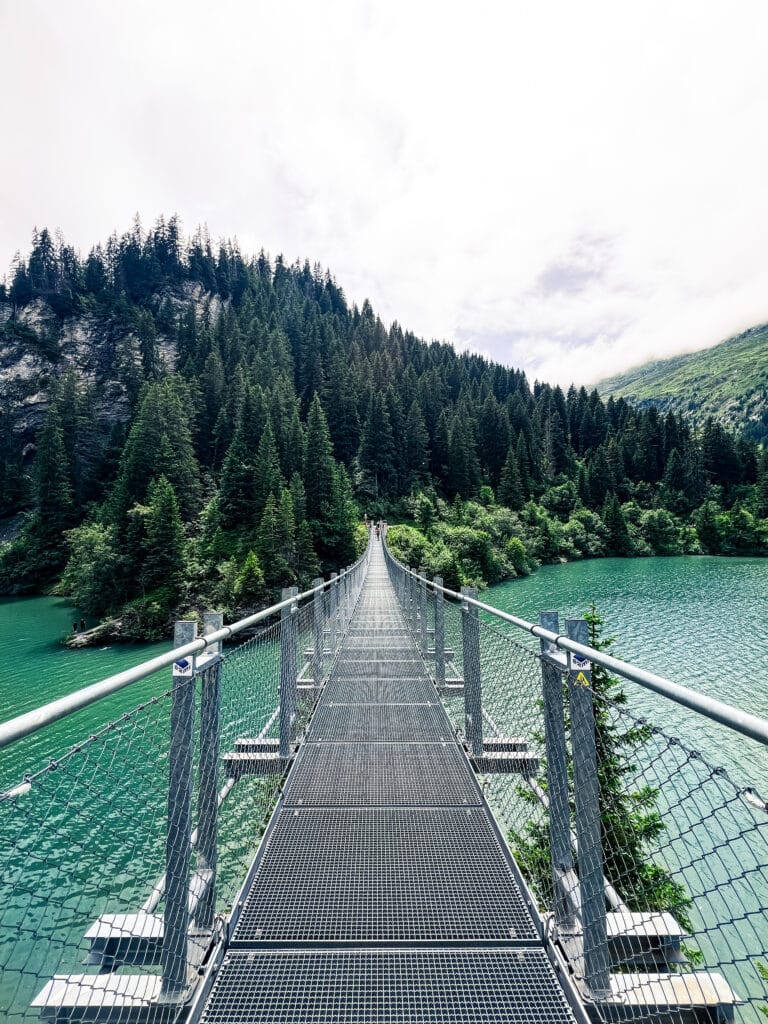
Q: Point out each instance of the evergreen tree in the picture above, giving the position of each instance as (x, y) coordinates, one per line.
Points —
(307, 564)
(416, 448)
(377, 458)
(510, 491)
(761, 495)
(440, 453)
(249, 584)
(266, 477)
(147, 334)
(318, 475)
(707, 528)
(617, 541)
(600, 478)
(523, 460)
(287, 530)
(269, 546)
(237, 504)
(340, 546)
(463, 465)
(53, 489)
(159, 444)
(164, 545)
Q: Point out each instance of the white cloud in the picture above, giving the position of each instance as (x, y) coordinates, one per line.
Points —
(571, 188)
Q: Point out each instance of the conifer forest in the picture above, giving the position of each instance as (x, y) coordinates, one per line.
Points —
(186, 426)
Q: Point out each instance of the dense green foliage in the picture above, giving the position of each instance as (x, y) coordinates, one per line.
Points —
(728, 382)
(259, 416)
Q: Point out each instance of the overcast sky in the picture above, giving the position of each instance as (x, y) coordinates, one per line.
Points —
(568, 187)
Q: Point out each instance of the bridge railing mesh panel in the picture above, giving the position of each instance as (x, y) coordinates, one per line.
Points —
(83, 836)
(683, 845)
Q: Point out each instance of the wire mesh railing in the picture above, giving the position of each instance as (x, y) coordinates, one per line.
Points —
(648, 862)
(123, 853)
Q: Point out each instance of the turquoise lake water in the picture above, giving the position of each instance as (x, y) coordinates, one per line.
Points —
(699, 621)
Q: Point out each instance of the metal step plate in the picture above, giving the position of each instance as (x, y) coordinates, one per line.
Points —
(381, 774)
(500, 986)
(381, 668)
(384, 723)
(383, 876)
(379, 691)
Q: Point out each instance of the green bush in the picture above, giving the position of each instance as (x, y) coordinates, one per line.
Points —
(149, 617)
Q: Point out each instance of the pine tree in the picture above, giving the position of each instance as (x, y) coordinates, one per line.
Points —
(523, 459)
(307, 564)
(464, 468)
(249, 584)
(440, 448)
(340, 549)
(377, 458)
(416, 448)
(494, 439)
(159, 444)
(164, 543)
(237, 504)
(761, 495)
(510, 491)
(707, 529)
(319, 476)
(617, 541)
(287, 531)
(600, 479)
(53, 489)
(266, 476)
(269, 540)
(147, 335)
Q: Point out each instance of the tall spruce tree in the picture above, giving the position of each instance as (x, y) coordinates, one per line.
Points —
(416, 448)
(266, 477)
(378, 456)
(510, 488)
(53, 489)
(164, 544)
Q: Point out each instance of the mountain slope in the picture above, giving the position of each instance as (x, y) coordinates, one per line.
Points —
(728, 382)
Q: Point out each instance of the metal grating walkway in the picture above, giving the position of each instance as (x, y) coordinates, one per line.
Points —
(382, 891)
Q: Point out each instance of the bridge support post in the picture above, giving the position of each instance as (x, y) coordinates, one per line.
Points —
(207, 801)
(288, 671)
(178, 843)
(473, 702)
(318, 626)
(333, 595)
(439, 633)
(587, 795)
(557, 773)
(423, 609)
(414, 603)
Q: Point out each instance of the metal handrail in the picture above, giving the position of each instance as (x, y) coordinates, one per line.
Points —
(32, 721)
(743, 722)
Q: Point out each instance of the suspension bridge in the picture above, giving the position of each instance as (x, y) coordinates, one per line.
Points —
(325, 822)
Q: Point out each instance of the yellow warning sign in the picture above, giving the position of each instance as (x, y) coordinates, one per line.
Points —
(581, 680)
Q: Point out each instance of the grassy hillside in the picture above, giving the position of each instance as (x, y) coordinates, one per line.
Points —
(729, 382)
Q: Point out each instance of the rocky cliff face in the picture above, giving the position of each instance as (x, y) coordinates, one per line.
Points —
(36, 348)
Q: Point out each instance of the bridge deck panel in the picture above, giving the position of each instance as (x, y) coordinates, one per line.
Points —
(387, 987)
(371, 690)
(386, 723)
(384, 875)
(381, 774)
